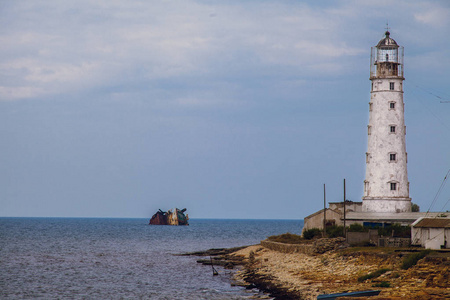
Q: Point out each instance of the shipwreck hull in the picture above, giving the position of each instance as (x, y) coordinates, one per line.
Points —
(175, 217)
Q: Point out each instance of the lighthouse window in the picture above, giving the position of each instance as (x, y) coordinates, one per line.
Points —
(393, 186)
(370, 106)
(391, 105)
(391, 86)
(369, 130)
(392, 157)
(392, 129)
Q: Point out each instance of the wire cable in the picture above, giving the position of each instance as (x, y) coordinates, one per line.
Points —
(438, 192)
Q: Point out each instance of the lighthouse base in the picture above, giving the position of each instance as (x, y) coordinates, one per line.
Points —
(392, 205)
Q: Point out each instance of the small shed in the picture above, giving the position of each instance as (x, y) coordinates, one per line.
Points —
(431, 233)
(315, 220)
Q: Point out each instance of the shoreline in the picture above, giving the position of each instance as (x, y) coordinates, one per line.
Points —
(305, 276)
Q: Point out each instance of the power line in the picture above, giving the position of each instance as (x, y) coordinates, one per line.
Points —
(431, 93)
(427, 106)
(438, 192)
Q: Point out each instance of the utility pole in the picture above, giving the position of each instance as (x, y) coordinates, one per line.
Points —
(324, 211)
(344, 212)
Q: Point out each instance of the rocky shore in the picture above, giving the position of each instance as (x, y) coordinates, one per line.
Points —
(297, 275)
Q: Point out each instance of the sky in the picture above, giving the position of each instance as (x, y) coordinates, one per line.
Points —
(231, 109)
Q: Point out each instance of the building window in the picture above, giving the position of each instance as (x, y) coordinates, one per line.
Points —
(391, 105)
(370, 106)
(391, 86)
(393, 186)
(392, 157)
(366, 187)
(369, 130)
(367, 157)
(392, 129)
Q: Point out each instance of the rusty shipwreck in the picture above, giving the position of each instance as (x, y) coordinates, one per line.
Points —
(171, 217)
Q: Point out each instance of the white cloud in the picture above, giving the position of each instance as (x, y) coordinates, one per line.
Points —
(20, 92)
(434, 16)
(62, 47)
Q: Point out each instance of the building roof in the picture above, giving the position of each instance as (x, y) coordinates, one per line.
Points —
(321, 212)
(432, 222)
(387, 42)
(346, 202)
(392, 217)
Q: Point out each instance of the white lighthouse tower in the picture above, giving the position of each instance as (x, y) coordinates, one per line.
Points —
(386, 187)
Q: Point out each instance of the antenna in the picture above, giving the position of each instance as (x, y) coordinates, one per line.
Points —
(387, 26)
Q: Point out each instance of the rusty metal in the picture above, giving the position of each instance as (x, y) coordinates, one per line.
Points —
(175, 217)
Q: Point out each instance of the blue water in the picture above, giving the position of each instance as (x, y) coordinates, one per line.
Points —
(77, 258)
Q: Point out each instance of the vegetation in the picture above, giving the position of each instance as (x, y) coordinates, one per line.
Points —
(335, 231)
(415, 207)
(312, 233)
(372, 275)
(331, 232)
(287, 238)
(357, 228)
(412, 259)
(395, 230)
(382, 284)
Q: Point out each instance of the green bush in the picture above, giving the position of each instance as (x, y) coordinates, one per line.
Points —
(311, 233)
(375, 274)
(357, 228)
(382, 284)
(397, 229)
(287, 238)
(412, 259)
(335, 231)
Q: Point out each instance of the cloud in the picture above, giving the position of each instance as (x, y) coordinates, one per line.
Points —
(75, 46)
(63, 47)
(436, 16)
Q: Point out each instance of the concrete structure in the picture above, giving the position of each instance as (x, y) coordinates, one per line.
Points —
(315, 220)
(350, 206)
(432, 233)
(381, 219)
(386, 186)
(369, 219)
(334, 215)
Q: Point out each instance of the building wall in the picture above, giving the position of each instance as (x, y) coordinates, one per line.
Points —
(349, 206)
(430, 238)
(316, 220)
(380, 170)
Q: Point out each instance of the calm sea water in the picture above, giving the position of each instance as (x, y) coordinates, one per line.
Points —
(121, 258)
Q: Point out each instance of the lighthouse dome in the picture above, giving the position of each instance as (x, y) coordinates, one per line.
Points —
(387, 42)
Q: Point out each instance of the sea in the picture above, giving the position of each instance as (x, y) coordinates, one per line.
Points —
(101, 258)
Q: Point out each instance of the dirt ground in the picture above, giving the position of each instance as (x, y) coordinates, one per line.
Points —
(303, 276)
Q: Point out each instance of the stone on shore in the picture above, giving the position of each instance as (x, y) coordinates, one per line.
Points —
(337, 270)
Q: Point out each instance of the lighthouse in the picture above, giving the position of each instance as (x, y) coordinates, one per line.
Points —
(386, 186)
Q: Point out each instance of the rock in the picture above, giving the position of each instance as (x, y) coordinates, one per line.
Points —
(326, 244)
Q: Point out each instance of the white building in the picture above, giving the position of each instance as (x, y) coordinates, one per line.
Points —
(431, 233)
(386, 186)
